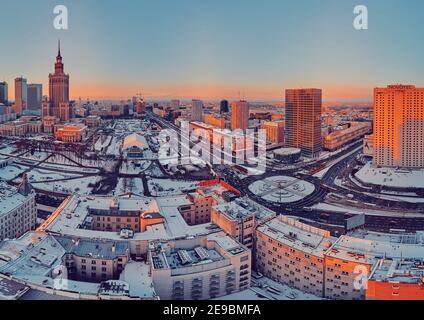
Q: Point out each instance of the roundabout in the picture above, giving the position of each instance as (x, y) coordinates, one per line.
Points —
(281, 189)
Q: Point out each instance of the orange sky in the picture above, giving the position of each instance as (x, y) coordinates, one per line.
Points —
(207, 92)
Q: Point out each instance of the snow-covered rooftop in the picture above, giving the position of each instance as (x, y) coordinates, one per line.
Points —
(69, 220)
(398, 270)
(10, 198)
(391, 177)
(298, 235)
(244, 207)
(369, 247)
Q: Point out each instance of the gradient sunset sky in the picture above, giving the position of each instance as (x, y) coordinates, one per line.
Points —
(215, 48)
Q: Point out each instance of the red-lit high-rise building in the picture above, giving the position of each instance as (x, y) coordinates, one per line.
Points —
(303, 120)
(240, 115)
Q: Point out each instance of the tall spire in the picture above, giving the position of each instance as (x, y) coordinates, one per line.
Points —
(58, 46)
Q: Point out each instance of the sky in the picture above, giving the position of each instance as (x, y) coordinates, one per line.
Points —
(212, 49)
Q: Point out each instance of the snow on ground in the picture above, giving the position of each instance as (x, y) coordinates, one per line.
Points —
(39, 175)
(397, 198)
(12, 171)
(282, 189)
(102, 142)
(73, 168)
(391, 177)
(71, 183)
(7, 149)
(322, 173)
(133, 185)
(154, 171)
(134, 166)
(114, 148)
(168, 187)
(38, 156)
(79, 186)
(354, 210)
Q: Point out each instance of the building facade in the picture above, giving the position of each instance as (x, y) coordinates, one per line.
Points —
(399, 126)
(240, 115)
(4, 92)
(71, 133)
(200, 269)
(18, 212)
(292, 253)
(21, 95)
(35, 96)
(274, 131)
(303, 120)
(196, 110)
(58, 87)
(340, 138)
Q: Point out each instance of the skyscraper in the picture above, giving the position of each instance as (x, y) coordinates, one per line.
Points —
(224, 106)
(35, 96)
(197, 110)
(4, 95)
(240, 115)
(58, 86)
(303, 120)
(175, 104)
(21, 95)
(141, 105)
(399, 126)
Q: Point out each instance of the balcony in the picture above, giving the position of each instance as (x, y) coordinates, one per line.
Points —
(230, 285)
(214, 282)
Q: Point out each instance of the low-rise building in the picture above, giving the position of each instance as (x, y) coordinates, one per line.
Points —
(116, 214)
(49, 123)
(94, 260)
(134, 146)
(274, 131)
(340, 138)
(93, 121)
(209, 193)
(199, 269)
(240, 218)
(214, 120)
(18, 212)
(71, 133)
(396, 279)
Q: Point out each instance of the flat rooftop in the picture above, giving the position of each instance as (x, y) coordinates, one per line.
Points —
(298, 235)
(37, 260)
(371, 247)
(244, 207)
(10, 198)
(174, 260)
(399, 271)
(70, 219)
(11, 290)
(94, 248)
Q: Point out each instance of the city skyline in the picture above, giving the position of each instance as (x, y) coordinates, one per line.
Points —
(222, 50)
